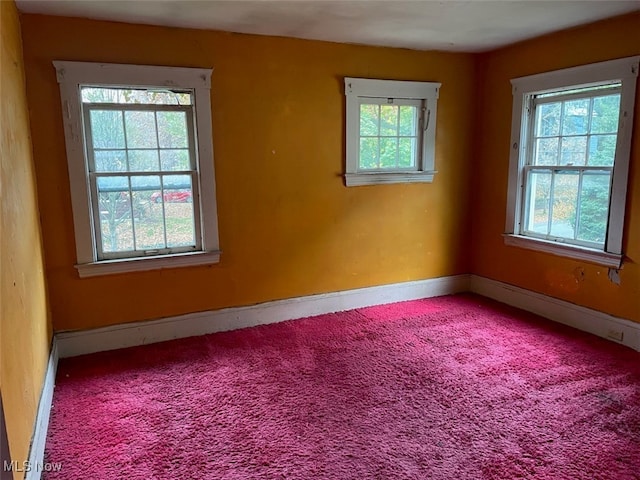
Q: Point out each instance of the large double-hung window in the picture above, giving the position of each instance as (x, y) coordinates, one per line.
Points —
(570, 157)
(570, 165)
(140, 166)
(142, 171)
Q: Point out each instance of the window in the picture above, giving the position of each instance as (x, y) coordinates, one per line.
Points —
(140, 161)
(390, 131)
(571, 137)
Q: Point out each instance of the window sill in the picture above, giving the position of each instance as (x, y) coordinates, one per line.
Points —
(143, 264)
(598, 257)
(373, 178)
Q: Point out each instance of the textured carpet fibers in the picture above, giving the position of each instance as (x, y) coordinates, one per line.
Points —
(445, 388)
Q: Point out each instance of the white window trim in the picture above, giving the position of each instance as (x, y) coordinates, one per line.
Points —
(623, 70)
(358, 88)
(71, 75)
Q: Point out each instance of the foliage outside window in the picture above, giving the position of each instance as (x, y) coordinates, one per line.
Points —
(141, 177)
(388, 135)
(390, 131)
(570, 160)
(568, 173)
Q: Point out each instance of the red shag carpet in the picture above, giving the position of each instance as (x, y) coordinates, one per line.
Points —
(445, 388)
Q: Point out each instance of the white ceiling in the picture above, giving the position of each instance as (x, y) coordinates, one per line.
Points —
(455, 25)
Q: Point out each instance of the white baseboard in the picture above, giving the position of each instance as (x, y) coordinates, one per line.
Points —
(39, 439)
(75, 343)
(582, 318)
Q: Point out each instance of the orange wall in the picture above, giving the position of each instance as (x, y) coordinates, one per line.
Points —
(575, 281)
(288, 225)
(24, 322)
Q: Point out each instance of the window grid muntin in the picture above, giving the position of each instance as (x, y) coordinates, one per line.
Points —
(534, 101)
(187, 109)
(528, 211)
(420, 107)
(93, 178)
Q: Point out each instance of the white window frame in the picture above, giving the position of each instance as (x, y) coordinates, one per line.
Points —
(624, 71)
(71, 77)
(358, 91)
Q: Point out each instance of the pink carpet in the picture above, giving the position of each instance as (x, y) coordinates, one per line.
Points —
(446, 388)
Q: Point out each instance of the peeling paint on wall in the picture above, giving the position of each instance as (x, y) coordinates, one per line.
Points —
(614, 276)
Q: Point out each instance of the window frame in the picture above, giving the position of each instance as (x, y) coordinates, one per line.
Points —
(71, 77)
(357, 91)
(624, 71)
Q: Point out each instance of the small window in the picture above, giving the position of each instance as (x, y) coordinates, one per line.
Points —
(570, 160)
(390, 131)
(141, 176)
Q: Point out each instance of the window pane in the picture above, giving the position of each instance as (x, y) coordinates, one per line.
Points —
(539, 187)
(176, 182)
(388, 152)
(573, 151)
(546, 151)
(149, 224)
(576, 115)
(141, 129)
(369, 120)
(113, 184)
(101, 95)
(602, 150)
(133, 96)
(114, 205)
(388, 120)
(172, 129)
(407, 152)
(408, 121)
(606, 111)
(585, 90)
(106, 129)
(565, 200)
(147, 216)
(175, 160)
(178, 206)
(145, 184)
(369, 153)
(110, 160)
(143, 160)
(548, 122)
(594, 207)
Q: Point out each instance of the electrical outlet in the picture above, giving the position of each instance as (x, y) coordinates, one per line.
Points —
(616, 335)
